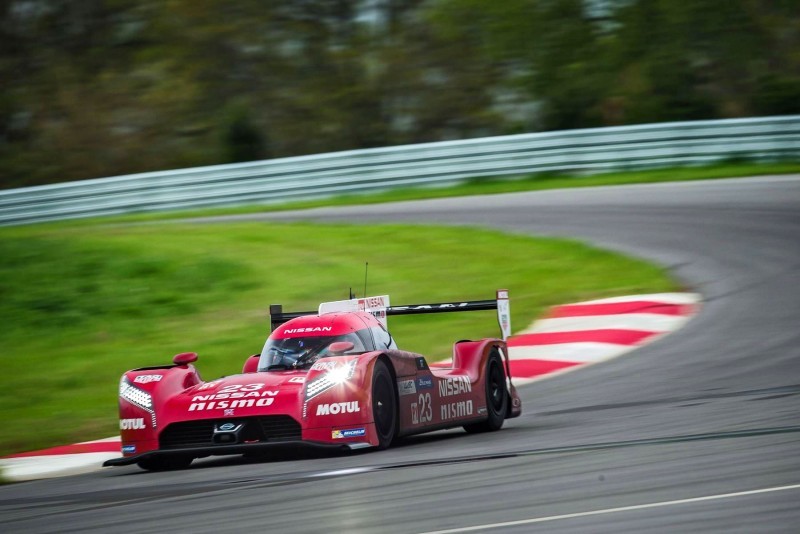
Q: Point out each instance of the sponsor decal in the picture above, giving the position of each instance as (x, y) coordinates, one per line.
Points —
(370, 303)
(307, 330)
(128, 449)
(453, 410)
(146, 379)
(454, 385)
(222, 404)
(406, 387)
(246, 396)
(351, 433)
(482, 411)
(235, 395)
(505, 323)
(210, 385)
(444, 306)
(237, 391)
(422, 365)
(131, 424)
(323, 365)
(424, 382)
(335, 408)
(297, 380)
(228, 412)
(503, 313)
(374, 305)
(224, 433)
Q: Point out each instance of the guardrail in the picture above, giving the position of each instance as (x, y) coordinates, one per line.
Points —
(430, 164)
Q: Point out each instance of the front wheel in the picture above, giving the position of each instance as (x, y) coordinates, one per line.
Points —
(384, 405)
(496, 396)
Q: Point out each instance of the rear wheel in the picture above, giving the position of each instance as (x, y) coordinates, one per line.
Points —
(496, 396)
(384, 405)
(165, 463)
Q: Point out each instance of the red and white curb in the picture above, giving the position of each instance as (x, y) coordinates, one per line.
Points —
(574, 335)
(60, 461)
(569, 337)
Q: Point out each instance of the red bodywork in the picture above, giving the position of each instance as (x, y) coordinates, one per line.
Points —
(170, 410)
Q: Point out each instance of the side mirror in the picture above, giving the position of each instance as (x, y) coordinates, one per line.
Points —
(340, 347)
(184, 358)
(251, 364)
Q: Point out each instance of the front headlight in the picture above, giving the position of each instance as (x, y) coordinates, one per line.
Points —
(134, 395)
(334, 377)
(137, 397)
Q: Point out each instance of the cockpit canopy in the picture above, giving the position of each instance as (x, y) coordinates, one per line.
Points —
(300, 342)
(302, 352)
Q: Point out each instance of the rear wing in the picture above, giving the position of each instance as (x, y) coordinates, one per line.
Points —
(501, 304)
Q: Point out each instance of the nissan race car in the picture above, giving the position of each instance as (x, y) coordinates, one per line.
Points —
(334, 378)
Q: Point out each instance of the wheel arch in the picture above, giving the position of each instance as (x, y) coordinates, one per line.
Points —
(391, 436)
(393, 373)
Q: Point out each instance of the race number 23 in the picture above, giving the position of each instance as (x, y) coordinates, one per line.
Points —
(421, 411)
(233, 388)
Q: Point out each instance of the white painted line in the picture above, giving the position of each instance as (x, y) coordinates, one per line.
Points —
(614, 510)
(54, 465)
(579, 352)
(646, 322)
(666, 298)
(342, 472)
(104, 440)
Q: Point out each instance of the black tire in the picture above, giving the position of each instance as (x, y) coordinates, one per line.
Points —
(496, 397)
(384, 405)
(165, 463)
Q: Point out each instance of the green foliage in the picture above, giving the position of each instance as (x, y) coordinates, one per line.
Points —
(243, 141)
(778, 95)
(81, 304)
(104, 87)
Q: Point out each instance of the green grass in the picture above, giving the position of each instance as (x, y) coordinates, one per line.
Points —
(80, 304)
(491, 185)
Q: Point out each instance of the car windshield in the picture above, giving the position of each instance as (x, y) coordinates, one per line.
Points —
(301, 352)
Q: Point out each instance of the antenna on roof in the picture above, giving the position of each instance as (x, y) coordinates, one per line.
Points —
(366, 269)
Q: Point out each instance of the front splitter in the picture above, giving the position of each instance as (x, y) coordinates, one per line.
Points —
(224, 450)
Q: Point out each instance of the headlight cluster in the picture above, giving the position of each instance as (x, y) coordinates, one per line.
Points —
(335, 376)
(138, 397)
(135, 395)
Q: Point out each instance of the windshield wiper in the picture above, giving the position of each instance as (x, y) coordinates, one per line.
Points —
(278, 367)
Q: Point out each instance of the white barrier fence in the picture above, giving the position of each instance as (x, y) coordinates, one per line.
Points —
(430, 164)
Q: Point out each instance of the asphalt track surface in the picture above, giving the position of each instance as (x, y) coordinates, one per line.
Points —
(697, 432)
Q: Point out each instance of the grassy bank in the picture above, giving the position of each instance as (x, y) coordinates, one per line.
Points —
(80, 304)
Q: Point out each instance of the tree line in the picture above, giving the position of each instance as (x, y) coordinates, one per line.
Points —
(107, 87)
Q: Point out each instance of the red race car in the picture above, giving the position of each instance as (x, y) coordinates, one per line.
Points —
(333, 378)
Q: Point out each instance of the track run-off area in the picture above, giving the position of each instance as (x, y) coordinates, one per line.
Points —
(697, 431)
